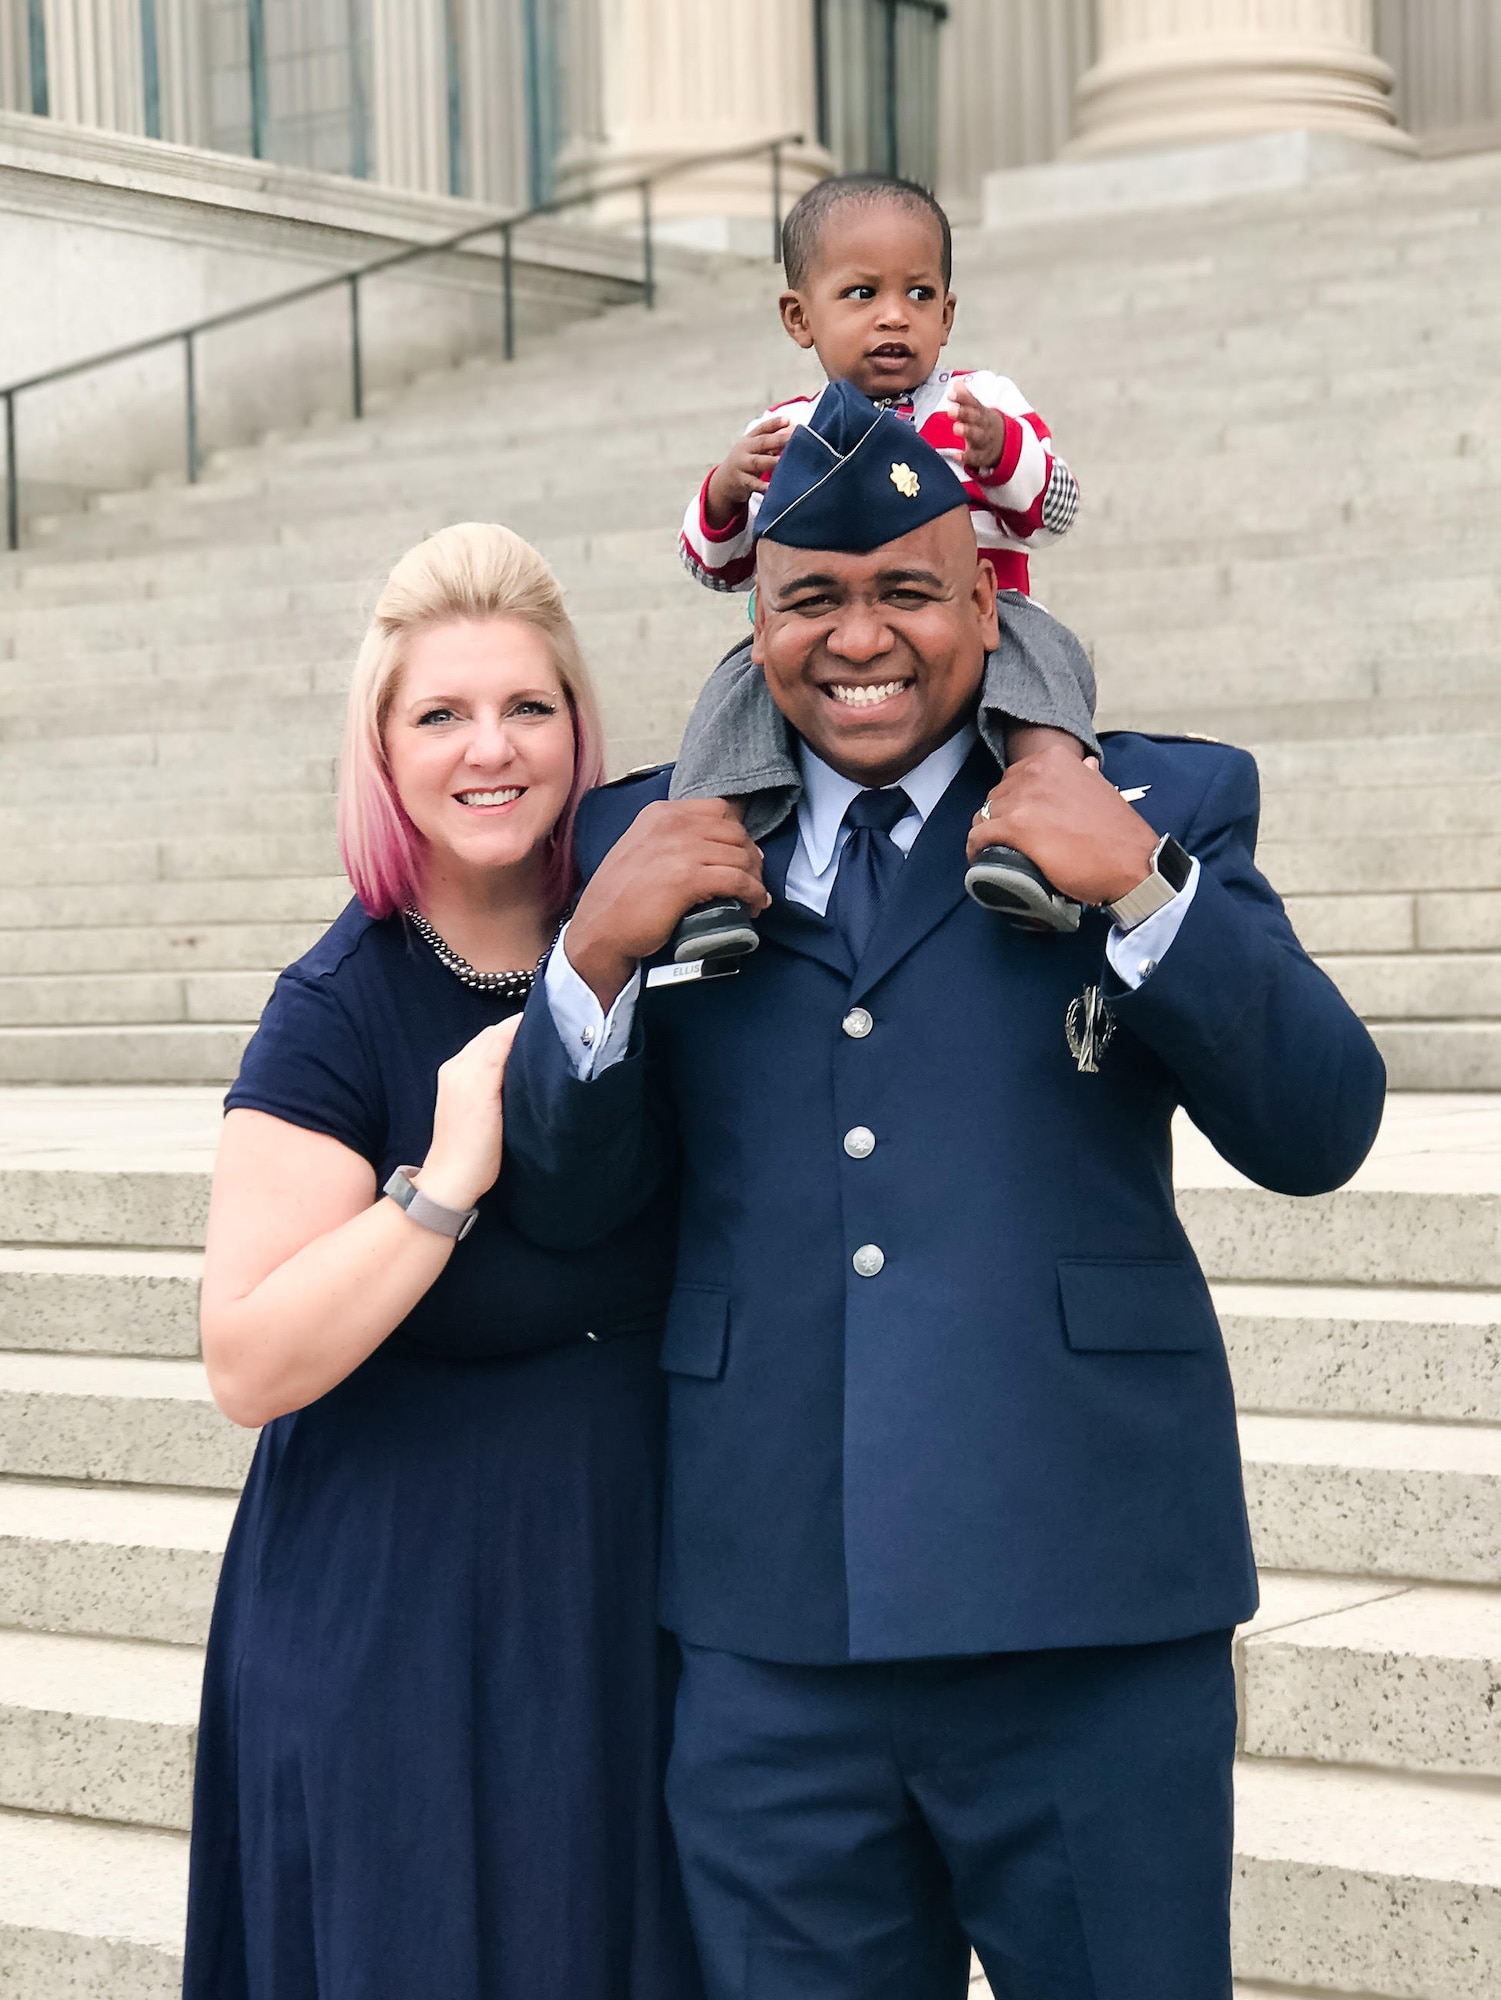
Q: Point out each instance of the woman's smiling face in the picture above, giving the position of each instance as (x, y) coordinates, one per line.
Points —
(480, 741)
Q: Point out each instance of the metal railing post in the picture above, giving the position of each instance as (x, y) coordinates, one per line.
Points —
(356, 353)
(776, 202)
(190, 391)
(12, 489)
(508, 285)
(648, 264)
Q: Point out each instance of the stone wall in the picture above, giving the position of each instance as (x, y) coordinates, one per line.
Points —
(115, 239)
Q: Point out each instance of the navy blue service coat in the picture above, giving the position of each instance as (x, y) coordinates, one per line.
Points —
(1020, 1432)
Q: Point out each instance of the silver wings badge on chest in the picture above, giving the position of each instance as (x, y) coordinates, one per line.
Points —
(1088, 1026)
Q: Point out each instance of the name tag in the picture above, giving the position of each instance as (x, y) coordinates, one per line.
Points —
(693, 968)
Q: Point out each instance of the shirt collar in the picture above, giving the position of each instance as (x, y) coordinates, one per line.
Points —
(826, 794)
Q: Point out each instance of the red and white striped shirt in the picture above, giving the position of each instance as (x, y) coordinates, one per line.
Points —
(1026, 500)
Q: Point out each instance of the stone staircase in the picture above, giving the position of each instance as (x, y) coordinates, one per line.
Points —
(1282, 415)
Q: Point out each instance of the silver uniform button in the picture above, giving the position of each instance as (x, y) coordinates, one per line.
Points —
(859, 1142)
(857, 1024)
(591, 1336)
(870, 1260)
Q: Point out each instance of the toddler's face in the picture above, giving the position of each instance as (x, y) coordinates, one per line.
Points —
(875, 306)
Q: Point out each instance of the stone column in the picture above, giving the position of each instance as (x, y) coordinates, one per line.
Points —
(1178, 72)
(15, 57)
(94, 74)
(667, 79)
(182, 71)
(409, 95)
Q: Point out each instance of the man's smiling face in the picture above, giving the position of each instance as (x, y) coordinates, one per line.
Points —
(876, 659)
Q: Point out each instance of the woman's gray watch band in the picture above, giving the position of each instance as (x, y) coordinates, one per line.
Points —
(454, 1222)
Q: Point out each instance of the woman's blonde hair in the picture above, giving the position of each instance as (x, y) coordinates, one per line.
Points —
(472, 570)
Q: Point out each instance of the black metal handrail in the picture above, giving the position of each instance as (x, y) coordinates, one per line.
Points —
(640, 185)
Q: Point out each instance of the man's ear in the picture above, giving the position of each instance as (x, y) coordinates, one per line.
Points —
(985, 605)
(758, 624)
(795, 318)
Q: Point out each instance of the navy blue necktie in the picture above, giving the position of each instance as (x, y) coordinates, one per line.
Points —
(869, 864)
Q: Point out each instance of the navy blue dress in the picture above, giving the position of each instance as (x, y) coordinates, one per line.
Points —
(436, 1706)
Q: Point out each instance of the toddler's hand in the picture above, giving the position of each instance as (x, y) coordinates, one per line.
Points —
(746, 469)
(982, 429)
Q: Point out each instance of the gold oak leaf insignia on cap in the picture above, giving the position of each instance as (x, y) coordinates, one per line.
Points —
(906, 481)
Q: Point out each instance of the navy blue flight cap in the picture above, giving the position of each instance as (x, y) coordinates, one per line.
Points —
(854, 478)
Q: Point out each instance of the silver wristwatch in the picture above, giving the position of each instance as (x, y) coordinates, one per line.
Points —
(454, 1222)
(1171, 868)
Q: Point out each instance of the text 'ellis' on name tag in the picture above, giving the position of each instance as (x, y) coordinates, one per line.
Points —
(693, 968)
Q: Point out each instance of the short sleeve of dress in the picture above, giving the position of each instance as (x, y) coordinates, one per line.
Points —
(308, 1063)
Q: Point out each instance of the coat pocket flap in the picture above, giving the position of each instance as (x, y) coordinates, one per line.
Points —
(698, 1324)
(1136, 1306)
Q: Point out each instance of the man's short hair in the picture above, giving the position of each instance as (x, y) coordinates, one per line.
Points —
(804, 225)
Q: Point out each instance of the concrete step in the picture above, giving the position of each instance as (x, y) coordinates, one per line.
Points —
(241, 703)
(113, 1168)
(133, 755)
(154, 948)
(127, 688)
(116, 998)
(119, 1302)
(158, 813)
(1440, 1055)
(1228, 719)
(1380, 761)
(131, 769)
(1364, 1351)
(1289, 511)
(1423, 1211)
(123, 1420)
(1402, 1681)
(89, 1910)
(45, 865)
(1410, 986)
(1361, 1235)
(1402, 920)
(198, 1053)
(1357, 1498)
(1366, 1882)
(98, 1729)
(1457, 807)
(210, 900)
(127, 1563)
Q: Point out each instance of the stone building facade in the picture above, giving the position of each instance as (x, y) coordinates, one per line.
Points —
(164, 160)
(505, 101)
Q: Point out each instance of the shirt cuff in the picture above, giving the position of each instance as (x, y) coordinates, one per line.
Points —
(593, 1040)
(737, 524)
(1135, 954)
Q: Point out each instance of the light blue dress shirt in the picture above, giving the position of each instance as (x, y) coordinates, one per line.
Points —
(595, 1040)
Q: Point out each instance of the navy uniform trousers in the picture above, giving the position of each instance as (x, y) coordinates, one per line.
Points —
(843, 1830)
(954, 1535)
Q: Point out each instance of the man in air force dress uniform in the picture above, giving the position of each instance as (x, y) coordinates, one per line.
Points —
(956, 1537)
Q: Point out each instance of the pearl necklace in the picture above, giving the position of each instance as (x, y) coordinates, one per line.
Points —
(508, 985)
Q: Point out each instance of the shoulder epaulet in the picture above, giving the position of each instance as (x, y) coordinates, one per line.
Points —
(634, 777)
(1166, 736)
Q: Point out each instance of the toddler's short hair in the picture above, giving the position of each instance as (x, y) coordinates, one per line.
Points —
(805, 220)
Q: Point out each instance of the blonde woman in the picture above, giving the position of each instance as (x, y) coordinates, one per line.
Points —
(434, 1711)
